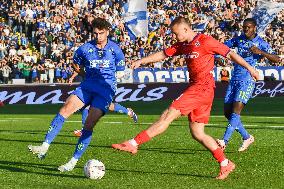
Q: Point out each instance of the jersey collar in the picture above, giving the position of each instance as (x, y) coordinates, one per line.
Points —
(105, 47)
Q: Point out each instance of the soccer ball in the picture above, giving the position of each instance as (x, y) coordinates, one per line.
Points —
(94, 169)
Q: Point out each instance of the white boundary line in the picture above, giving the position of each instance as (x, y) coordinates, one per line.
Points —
(143, 123)
(121, 117)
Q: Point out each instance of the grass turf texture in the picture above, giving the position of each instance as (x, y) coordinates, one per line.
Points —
(171, 160)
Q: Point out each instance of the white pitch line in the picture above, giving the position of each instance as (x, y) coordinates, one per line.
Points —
(139, 123)
(212, 124)
(255, 117)
(215, 116)
(120, 117)
(23, 118)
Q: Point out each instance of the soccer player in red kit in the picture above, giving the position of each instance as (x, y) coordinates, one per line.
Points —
(196, 101)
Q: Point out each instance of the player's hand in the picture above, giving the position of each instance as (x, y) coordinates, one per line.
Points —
(135, 64)
(70, 81)
(255, 50)
(255, 75)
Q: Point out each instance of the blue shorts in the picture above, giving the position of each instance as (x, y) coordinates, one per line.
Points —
(93, 99)
(239, 91)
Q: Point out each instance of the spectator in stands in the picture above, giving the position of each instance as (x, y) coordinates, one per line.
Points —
(6, 71)
(224, 75)
(27, 71)
(34, 73)
(59, 27)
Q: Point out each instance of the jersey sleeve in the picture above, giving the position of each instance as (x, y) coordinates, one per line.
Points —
(266, 47)
(173, 50)
(78, 57)
(231, 42)
(119, 60)
(215, 47)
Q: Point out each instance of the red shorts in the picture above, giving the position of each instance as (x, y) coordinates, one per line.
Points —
(195, 102)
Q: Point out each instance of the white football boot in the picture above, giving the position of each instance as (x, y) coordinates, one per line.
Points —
(39, 150)
(69, 166)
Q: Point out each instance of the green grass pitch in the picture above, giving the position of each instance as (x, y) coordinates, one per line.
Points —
(171, 160)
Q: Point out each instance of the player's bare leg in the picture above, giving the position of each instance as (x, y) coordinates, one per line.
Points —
(155, 129)
(197, 132)
(72, 104)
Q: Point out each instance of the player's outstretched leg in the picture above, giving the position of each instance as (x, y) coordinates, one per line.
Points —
(81, 147)
(155, 129)
(132, 145)
(54, 129)
(232, 125)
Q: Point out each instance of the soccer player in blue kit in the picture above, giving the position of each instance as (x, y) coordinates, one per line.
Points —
(102, 61)
(252, 48)
(114, 107)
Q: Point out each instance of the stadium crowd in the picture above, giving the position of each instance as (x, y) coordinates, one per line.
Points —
(38, 37)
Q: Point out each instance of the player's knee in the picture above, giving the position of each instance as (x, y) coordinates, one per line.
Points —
(66, 111)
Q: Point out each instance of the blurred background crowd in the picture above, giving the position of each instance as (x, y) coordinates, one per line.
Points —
(38, 37)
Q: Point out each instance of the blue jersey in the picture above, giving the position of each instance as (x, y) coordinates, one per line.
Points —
(243, 45)
(100, 66)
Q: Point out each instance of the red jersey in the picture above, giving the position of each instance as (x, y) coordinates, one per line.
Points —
(199, 56)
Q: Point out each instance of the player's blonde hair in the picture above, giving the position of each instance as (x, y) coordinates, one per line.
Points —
(180, 20)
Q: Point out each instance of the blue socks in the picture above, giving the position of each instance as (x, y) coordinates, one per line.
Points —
(54, 128)
(120, 109)
(83, 143)
(84, 116)
(242, 131)
(235, 124)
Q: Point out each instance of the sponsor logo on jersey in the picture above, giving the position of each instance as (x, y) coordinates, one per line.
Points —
(191, 55)
(99, 63)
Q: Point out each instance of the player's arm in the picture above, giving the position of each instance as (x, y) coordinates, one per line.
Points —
(239, 60)
(219, 48)
(78, 62)
(78, 69)
(271, 57)
(156, 57)
(72, 77)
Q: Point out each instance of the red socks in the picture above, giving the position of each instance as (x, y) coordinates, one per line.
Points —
(142, 137)
(219, 155)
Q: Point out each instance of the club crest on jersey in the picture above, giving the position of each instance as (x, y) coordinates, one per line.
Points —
(191, 55)
(197, 44)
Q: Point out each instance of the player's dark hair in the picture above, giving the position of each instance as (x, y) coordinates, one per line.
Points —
(101, 24)
(252, 20)
(180, 20)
